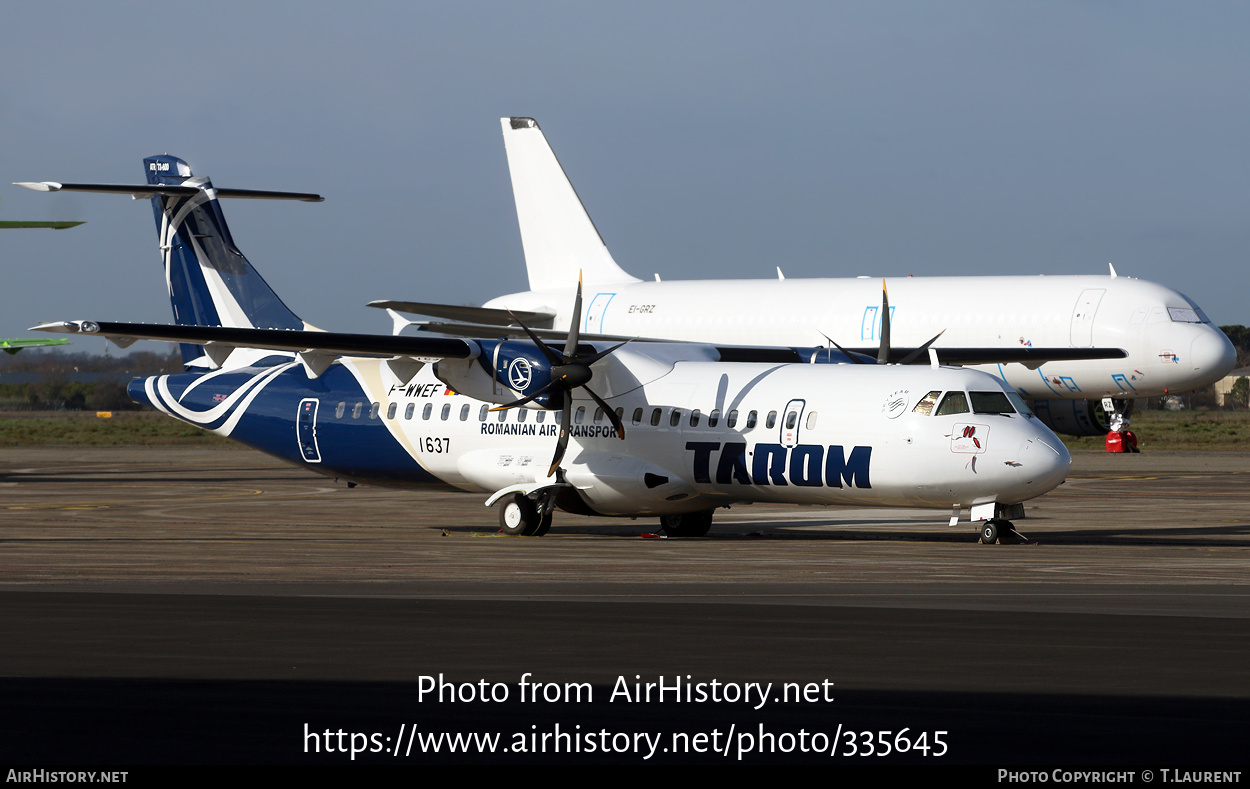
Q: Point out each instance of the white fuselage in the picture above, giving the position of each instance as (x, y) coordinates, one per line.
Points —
(855, 436)
(1172, 347)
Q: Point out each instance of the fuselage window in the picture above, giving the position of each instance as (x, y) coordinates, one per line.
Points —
(731, 421)
(771, 421)
(540, 417)
(811, 420)
(751, 419)
(990, 403)
(373, 410)
(924, 406)
(339, 410)
(503, 415)
(556, 416)
(579, 415)
(391, 409)
(482, 412)
(713, 418)
(520, 414)
(620, 415)
(446, 412)
(792, 419)
(598, 415)
(464, 413)
(425, 412)
(953, 403)
(637, 416)
(356, 409)
(410, 410)
(694, 418)
(655, 417)
(675, 419)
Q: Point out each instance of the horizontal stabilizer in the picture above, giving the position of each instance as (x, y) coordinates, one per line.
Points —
(142, 191)
(483, 316)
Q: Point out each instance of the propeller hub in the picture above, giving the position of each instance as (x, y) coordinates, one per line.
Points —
(571, 374)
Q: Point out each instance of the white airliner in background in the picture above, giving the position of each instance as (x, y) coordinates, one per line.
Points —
(1172, 346)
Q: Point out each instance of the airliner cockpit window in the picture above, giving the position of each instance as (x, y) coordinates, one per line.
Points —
(991, 403)
(953, 403)
(925, 406)
(1184, 315)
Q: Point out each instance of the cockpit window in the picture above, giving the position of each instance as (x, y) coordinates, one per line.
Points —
(953, 403)
(1019, 403)
(991, 403)
(1184, 315)
(925, 406)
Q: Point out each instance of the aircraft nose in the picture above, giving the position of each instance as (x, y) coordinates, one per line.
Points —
(1212, 355)
(1046, 462)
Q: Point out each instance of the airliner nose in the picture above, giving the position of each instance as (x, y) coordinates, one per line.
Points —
(1046, 462)
(1212, 355)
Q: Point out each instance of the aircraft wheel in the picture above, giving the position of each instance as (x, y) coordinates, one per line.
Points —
(518, 516)
(687, 524)
(989, 532)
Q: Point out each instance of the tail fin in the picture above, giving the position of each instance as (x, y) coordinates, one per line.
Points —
(210, 282)
(558, 236)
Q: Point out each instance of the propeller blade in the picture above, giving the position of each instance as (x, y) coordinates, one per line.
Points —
(854, 359)
(883, 352)
(589, 360)
(909, 358)
(570, 345)
(562, 443)
(550, 354)
(551, 386)
(607, 409)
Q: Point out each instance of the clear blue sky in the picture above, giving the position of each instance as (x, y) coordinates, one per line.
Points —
(707, 140)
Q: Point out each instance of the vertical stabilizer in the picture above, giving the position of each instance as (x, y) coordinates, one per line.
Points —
(210, 282)
(557, 234)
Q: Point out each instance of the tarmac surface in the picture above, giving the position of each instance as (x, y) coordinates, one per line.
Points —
(216, 606)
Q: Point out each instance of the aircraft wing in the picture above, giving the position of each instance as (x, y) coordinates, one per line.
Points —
(480, 316)
(13, 346)
(328, 343)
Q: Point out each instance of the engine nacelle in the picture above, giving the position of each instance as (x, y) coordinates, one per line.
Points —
(503, 369)
(1073, 417)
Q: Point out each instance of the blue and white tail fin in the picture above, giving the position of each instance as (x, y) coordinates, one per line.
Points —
(558, 236)
(210, 282)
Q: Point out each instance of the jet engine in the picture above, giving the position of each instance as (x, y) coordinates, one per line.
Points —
(1073, 417)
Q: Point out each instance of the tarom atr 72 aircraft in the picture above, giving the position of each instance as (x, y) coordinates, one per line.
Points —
(672, 430)
(1172, 346)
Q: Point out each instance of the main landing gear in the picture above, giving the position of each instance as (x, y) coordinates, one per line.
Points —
(687, 524)
(521, 516)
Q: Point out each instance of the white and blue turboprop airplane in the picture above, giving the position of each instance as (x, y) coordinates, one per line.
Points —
(1172, 346)
(673, 430)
